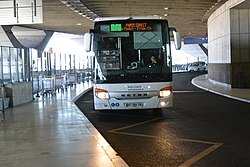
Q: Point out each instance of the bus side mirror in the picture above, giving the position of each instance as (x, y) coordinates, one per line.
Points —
(177, 40)
(87, 42)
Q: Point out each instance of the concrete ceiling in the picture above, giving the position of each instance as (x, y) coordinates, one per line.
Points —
(188, 16)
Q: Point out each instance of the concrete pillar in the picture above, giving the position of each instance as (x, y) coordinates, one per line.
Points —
(240, 40)
(228, 45)
(27, 73)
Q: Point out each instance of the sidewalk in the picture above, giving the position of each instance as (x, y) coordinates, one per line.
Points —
(203, 82)
(52, 132)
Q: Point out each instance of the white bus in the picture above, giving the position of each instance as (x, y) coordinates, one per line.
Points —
(132, 63)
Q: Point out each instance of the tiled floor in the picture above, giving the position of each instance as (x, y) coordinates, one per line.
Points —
(52, 132)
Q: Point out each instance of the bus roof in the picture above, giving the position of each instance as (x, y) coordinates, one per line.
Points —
(128, 18)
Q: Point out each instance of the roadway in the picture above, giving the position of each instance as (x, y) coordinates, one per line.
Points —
(202, 129)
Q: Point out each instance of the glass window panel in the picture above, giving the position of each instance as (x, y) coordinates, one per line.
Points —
(20, 61)
(13, 58)
(6, 64)
(1, 67)
(34, 62)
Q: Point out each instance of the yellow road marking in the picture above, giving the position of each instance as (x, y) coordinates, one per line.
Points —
(133, 125)
(201, 155)
(198, 141)
(187, 163)
(134, 134)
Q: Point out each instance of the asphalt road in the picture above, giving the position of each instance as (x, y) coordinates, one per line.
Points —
(202, 130)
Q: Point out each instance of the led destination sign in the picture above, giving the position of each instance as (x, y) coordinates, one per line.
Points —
(131, 27)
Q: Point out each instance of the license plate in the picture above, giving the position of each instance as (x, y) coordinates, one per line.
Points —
(134, 104)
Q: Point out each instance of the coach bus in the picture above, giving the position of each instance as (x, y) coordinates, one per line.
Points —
(132, 62)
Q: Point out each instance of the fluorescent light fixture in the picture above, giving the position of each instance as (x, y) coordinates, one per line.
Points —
(78, 7)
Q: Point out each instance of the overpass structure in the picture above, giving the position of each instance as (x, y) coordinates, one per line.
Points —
(226, 23)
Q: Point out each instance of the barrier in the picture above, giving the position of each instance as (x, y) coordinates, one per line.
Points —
(59, 82)
(48, 85)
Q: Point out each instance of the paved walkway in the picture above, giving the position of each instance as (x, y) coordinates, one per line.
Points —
(203, 82)
(52, 132)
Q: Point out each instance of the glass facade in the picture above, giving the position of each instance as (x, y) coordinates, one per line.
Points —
(30, 65)
(11, 65)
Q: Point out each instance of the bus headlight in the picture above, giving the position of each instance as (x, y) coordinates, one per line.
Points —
(165, 92)
(101, 94)
(163, 103)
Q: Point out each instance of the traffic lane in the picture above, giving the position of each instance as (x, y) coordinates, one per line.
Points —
(180, 134)
(140, 137)
(226, 115)
(215, 118)
(182, 81)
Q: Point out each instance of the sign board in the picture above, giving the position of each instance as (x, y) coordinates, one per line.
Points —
(131, 26)
(20, 12)
(197, 40)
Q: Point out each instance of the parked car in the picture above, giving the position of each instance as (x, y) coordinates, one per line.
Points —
(206, 66)
(196, 66)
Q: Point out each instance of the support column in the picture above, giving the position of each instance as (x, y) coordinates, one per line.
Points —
(229, 39)
(27, 73)
(240, 40)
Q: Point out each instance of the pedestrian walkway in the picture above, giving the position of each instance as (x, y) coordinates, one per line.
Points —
(52, 132)
(203, 82)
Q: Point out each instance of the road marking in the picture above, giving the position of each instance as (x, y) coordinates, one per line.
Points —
(133, 134)
(187, 163)
(201, 154)
(133, 125)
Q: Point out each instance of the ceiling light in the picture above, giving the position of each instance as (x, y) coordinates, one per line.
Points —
(76, 10)
(78, 7)
(166, 8)
(64, 1)
(68, 4)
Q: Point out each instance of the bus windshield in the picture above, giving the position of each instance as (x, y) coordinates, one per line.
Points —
(132, 51)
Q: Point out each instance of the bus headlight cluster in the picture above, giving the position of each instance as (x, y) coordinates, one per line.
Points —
(165, 92)
(101, 94)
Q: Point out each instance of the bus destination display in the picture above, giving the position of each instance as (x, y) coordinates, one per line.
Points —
(130, 27)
